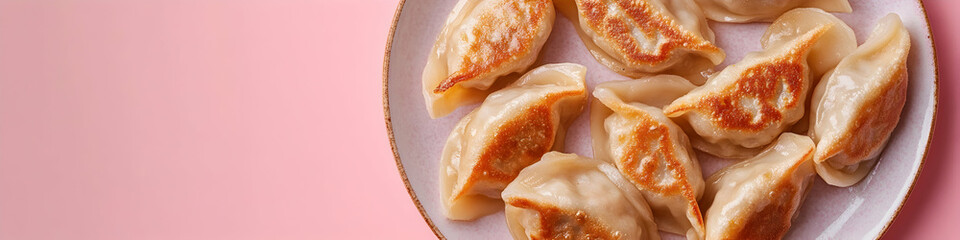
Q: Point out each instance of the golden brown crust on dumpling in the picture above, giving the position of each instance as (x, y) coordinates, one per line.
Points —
(650, 151)
(647, 131)
(559, 223)
(618, 29)
(774, 85)
(512, 129)
(771, 222)
(857, 106)
(499, 39)
(880, 115)
(774, 219)
(756, 82)
(565, 196)
(481, 44)
(517, 144)
(758, 198)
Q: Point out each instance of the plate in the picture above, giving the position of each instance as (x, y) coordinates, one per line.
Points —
(864, 210)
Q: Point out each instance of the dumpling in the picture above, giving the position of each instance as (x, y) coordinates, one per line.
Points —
(565, 196)
(748, 104)
(857, 106)
(763, 10)
(757, 198)
(834, 44)
(512, 129)
(640, 38)
(649, 149)
(481, 41)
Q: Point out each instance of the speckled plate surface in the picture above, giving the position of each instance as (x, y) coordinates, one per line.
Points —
(863, 211)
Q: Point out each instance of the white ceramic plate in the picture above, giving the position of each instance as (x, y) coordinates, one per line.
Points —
(863, 211)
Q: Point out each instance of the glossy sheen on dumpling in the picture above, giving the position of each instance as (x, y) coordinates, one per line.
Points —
(763, 10)
(649, 149)
(748, 104)
(757, 198)
(857, 106)
(512, 129)
(639, 38)
(481, 41)
(565, 196)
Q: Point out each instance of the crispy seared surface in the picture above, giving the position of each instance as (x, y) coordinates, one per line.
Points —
(556, 223)
(516, 144)
(770, 222)
(660, 171)
(619, 22)
(761, 94)
(874, 121)
(502, 34)
(773, 220)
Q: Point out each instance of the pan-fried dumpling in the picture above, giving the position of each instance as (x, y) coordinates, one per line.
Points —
(640, 38)
(757, 198)
(748, 104)
(857, 106)
(763, 10)
(481, 41)
(649, 149)
(512, 129)
(565, 196)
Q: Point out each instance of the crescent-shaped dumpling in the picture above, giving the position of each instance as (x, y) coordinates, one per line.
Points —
(763, 10)
(565, 196)
(643, 37)
(856, 107)
(649, 149)
(481, 41)
(512, 129)
(758, 198)
(748, 104)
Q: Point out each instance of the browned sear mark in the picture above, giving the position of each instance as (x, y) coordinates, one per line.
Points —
(775, 85)
(644, 133)
(488, 51)
(559, 223)
(878, 116)
(516, 144)
(648, 21)
(645, 174)
(771, 222)
(763, 83)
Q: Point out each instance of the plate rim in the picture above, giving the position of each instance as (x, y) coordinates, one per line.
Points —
(386, 118)
(436, 231)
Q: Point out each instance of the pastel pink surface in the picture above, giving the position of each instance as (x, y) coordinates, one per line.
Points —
(252, 120)
(217, 119)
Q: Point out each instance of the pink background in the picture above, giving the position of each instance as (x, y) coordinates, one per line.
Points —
(241, 119)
